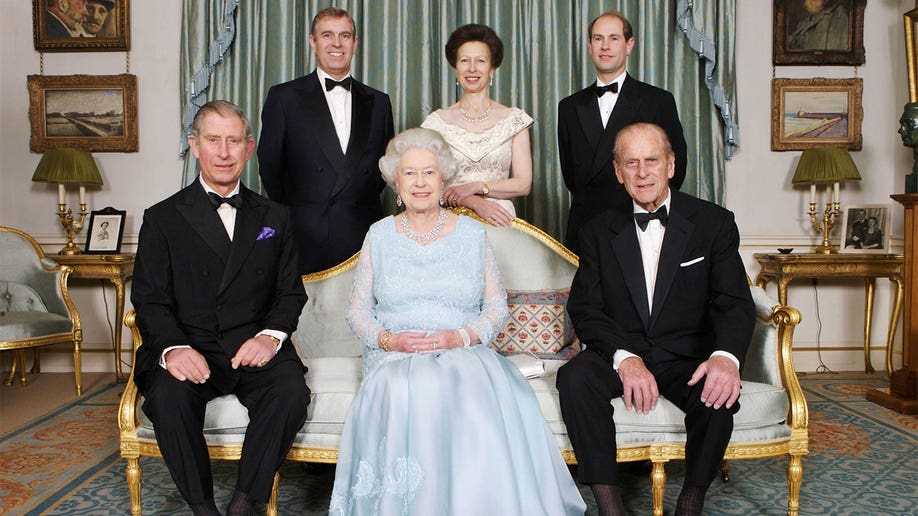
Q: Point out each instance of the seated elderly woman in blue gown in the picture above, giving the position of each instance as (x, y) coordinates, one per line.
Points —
(441, 424)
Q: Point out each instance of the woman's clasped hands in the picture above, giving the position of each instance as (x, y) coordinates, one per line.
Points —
(420, 342)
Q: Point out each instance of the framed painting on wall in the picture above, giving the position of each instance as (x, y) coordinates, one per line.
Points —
(808, 113)
(818, 32)
(96, 113)
(81, 25)
(865, 228)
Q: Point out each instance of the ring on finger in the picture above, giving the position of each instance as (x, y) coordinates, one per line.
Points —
(262, 363)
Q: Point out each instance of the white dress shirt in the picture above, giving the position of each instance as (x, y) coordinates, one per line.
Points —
(339, 105)
(651, 242)
(608, 99)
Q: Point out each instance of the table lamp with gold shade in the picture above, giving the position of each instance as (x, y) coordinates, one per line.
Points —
(63, 167)
(825, 166)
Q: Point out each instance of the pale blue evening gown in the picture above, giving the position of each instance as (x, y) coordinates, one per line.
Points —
(456, 432)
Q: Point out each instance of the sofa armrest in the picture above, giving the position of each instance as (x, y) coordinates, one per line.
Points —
(127, 408)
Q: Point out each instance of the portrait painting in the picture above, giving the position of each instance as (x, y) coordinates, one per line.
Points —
(865, 228)
(807, 113)
(106, 228)
(81, 25)
(89, 112)
(815, 32)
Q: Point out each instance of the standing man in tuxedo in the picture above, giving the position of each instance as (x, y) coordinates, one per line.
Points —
(589, 120)
(217, 293)
(321, 139)
(661, 302)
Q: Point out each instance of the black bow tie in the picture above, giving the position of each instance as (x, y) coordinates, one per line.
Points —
(643, 219)
(233, 200)
(601, 90)
(331, 83)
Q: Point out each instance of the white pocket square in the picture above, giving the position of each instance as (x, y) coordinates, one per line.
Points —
(691, 262)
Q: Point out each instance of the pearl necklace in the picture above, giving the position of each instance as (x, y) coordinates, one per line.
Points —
(475, 120)
(424, 238)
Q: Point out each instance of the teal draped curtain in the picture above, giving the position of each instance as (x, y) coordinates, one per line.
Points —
(400, 51)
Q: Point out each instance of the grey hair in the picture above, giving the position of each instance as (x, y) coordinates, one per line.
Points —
(225, 109)
(418, 138)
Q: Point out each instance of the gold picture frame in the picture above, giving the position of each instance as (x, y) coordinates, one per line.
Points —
(808, 113)
(911, 53)
(833, 36)
(96, 113)
(106, 28)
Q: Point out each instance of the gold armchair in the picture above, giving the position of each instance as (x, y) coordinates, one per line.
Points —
(35, 306)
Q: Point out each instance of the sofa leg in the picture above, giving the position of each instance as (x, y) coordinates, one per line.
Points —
(272, 502)
(794, 480)
(134, 476)
(725, 470)
(658, 483)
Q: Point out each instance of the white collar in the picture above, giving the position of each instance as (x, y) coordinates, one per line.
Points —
(620, 80)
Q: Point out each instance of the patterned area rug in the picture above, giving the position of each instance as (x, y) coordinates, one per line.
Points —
(863, 460)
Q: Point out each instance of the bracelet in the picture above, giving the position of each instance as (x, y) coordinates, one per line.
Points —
(466, 339)
(384, 340)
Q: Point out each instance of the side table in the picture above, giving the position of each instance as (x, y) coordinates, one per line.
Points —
(784, 268)
(116, 268)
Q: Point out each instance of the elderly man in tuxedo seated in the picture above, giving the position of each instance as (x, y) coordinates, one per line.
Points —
(217, 293)
(661, 302)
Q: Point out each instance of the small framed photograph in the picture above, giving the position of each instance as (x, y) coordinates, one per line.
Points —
(865, 228)
(818, 32)
(81, 26)
(106, 227)
(96, 113)
(807, 113)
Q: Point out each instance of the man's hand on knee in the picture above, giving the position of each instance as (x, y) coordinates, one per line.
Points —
(639, 384)
(187, 364)
(721, 384)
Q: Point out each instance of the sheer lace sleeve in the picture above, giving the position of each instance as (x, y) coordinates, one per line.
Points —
(361, 311)
(494, 310)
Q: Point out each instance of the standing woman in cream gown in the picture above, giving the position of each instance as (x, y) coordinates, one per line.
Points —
(489, 140)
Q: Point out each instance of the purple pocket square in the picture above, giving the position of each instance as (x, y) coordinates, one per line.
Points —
(265, 233)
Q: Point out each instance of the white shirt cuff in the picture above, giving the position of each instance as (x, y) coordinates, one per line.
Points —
(620, 356)
(162, 358)
(279, 335)
(727, 354)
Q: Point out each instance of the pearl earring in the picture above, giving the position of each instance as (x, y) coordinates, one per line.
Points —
(398, 200)
(491, 82)
(442, 200)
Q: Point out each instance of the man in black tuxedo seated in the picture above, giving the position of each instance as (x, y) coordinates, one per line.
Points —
(662, 304)
(217, 295)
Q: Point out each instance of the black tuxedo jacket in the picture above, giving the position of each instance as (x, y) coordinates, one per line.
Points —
(334, 197)
(585, 147)
(701, 299)
(193, 286)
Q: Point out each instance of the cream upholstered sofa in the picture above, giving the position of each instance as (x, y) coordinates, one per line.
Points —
(772, 420)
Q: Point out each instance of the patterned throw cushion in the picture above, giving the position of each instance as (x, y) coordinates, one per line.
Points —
(538, 324)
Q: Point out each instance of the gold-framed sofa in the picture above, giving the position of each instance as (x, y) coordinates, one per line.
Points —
(35, 305)
(772, 420)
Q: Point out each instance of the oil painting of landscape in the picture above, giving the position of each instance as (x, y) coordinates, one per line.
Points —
(809, 113)
(97, 113)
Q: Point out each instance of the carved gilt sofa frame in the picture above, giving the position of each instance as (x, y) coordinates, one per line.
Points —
(772, 420)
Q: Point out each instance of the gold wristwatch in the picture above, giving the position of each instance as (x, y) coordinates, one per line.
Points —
(485, 189)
